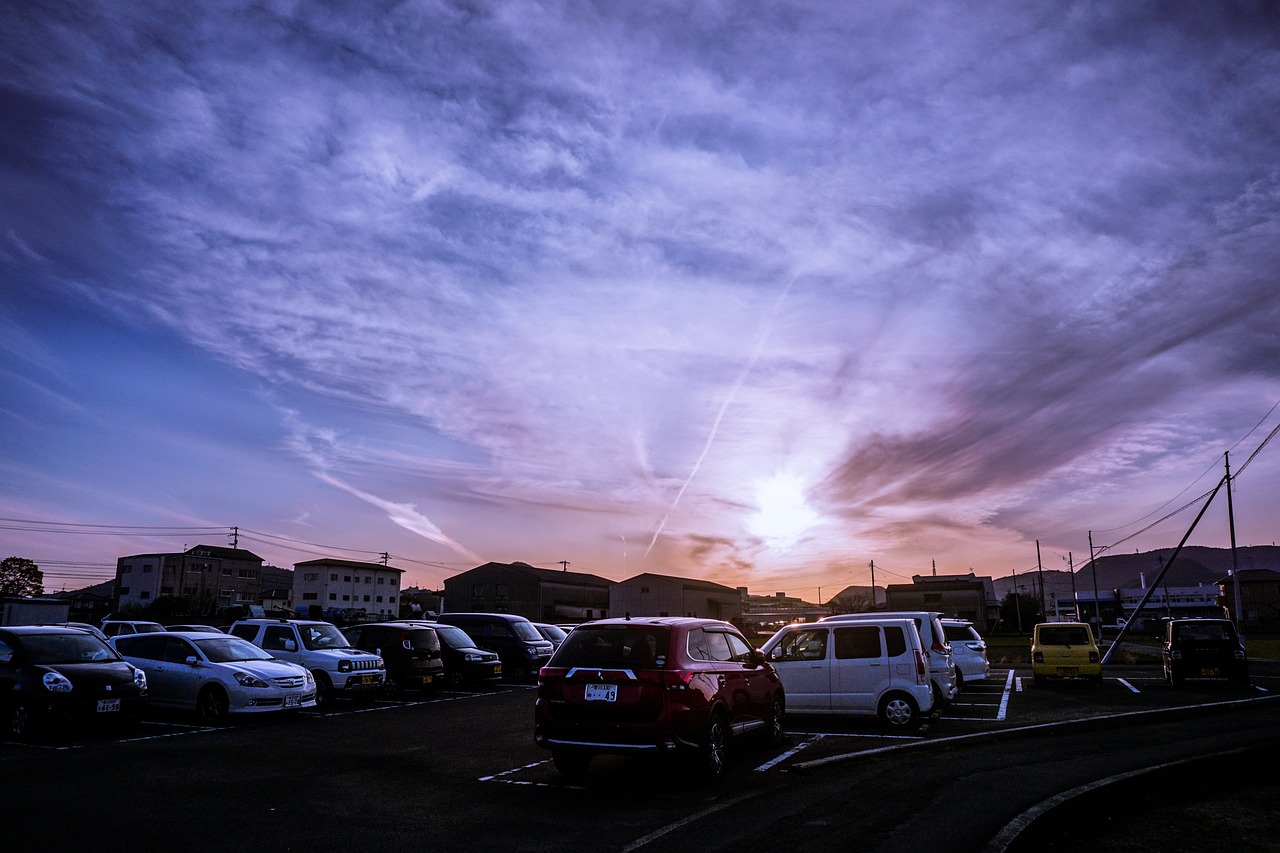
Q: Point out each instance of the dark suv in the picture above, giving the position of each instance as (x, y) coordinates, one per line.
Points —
(411, 654)
(654, 686)
(522, 649)
(1203, 648)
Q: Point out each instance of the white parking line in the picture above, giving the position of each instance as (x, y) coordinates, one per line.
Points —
(1127, 684)
(812, 739)
(1004, 696)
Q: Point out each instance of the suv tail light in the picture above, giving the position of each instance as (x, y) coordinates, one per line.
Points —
(1038, 657)
(1093, 657)
(670, 679)
(939, 646)
(922, 669)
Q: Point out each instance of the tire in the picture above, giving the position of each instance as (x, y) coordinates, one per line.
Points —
(213, 706)
(453, 679)
(898, 711)
(324, 688)
(571, 763)
(392, 688)
(774, 730)
(19, 723)
(959, 680)
(714, 752)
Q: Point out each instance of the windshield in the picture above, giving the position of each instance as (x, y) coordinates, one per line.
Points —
(323, 636)
(453, 636)
(66, 648)
(228, 649)
(526, 631)
(553, 633)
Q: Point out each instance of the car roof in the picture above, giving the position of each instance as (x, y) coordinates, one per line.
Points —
(28, 630)
(655, 621)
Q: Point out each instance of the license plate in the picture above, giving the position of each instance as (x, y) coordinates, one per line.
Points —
(1068, 671)
(368, 679)
(106, 706)
(292, 701)
(497, 669)
(1209, 671)
(601, 693)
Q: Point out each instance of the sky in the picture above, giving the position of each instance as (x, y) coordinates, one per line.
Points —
(759, 293)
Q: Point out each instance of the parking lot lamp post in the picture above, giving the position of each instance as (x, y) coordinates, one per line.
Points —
(1097, 614)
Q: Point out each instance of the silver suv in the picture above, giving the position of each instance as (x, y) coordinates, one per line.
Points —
(337, 667)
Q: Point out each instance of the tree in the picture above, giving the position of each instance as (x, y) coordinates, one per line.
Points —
(20, 576)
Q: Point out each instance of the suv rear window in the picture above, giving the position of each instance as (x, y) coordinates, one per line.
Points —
(613, 647)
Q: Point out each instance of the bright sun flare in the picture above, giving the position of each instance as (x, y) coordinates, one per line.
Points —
(783, 513)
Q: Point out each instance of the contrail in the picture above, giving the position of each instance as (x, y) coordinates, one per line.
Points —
(724, 407)
(405, 515)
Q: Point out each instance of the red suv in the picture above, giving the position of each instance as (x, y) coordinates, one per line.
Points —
(654, 685)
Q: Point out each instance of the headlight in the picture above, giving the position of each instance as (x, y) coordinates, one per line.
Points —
(471, 657)
(308, 677)
(344, 666)
(139, 679)
(247, 680)
(56, 682)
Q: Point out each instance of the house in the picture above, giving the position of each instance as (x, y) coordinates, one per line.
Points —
(543, 595)
(352, 588)
(663, 595)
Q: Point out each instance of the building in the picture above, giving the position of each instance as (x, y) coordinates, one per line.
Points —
(858, 599)
(767, 613)
(206, 576)
(347, 589)
(1259, 598)
(1114, 607)
(962, 596)
(543, 595)
(663, 595)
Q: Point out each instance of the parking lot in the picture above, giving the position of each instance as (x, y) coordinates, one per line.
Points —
(463, 764)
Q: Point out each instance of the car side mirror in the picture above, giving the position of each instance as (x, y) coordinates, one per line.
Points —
(192, 660)
(290, 645)
(756, 658)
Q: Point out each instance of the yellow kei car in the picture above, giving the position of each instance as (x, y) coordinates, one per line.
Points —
(1065, 650)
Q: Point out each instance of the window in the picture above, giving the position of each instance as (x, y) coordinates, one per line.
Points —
(333, 577)
(333, 596)
(346, 578)
(125, 569)
(144, 595)
(311, 576)
(477, 590)
(895, 640)
(346, 598)
(224, 593)
(391, 599)
(643, 590)
(394, 581)
(226, 570)
(379, 599)
(146, 567)
(368, 579)
(124, 590)
(382, 580)
(310, 596)
(275, 637)
(862, 641)
(501, 590)
(166, 590)
(802, 645)
(709, 645)
(248, 573)
(366, 598)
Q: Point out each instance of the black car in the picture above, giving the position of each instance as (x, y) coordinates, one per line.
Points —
(52, 674)
(523, 650)
(465, 663)
(1203, 648)
(411, 653)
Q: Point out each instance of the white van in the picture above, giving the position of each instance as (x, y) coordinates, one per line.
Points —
(873, 668)
(942, 670)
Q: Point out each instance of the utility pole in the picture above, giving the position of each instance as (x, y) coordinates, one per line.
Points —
(874, 603)
(564, 565)
(1097, 614)
(1040, 570)
(1017, 602)
(385, 557)
(1235, 569)
(1074, 597)
(235, 537)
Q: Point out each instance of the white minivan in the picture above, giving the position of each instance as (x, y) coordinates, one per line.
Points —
(873, 668)
(942, 670)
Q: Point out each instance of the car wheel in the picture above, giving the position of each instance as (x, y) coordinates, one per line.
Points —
(213, 705)
(21, 726)
(715, 749)
(959, 680)
(391, 687)
(324, 688)
(773, 726)
(570, 762)
(453, 679)
(898, 710)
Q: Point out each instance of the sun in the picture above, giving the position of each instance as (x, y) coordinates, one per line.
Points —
(783, 514)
